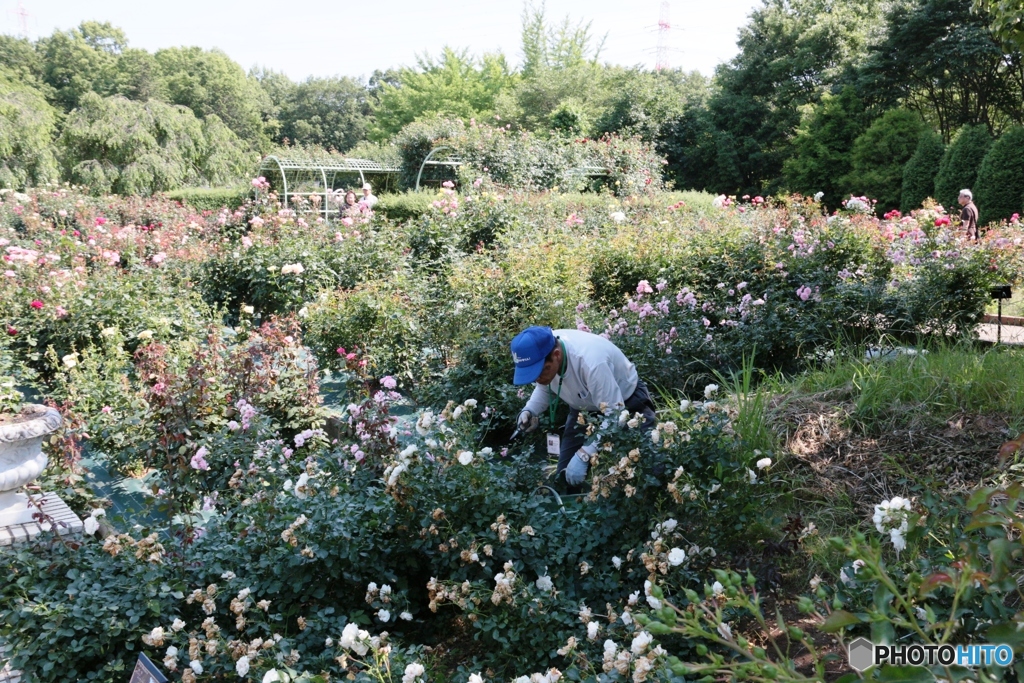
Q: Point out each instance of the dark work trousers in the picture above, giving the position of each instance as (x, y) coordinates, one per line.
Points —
(574, 434)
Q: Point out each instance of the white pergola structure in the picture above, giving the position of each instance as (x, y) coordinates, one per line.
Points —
(309, 176)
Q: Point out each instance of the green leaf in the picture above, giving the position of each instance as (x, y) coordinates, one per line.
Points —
(1002, 556)
(839, 619)
(882, 632)
(1006, 633)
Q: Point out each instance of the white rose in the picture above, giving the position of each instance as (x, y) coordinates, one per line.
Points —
(592, 629)
(544, 583)
(242, 667)
(710, 390)
(640, 642)
(196, 666)
(413, 672)
(617, 562)
(384, 615)
(91, 526)
(465, 457)
(764, 463)
(676, 557)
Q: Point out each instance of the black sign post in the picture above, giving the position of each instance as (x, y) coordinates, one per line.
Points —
(146, 672)
(1000, 292)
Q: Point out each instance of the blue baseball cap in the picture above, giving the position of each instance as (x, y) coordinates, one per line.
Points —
(529, 349)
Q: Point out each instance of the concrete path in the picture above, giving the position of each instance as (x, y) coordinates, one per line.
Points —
(1010, 334)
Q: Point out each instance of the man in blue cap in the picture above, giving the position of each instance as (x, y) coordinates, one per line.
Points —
(588, 373)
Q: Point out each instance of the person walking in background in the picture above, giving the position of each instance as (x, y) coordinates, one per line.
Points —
(969, 214)
(590, 374)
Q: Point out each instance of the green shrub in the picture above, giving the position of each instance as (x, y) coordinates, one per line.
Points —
(250, 272)
(999, 190)
(919, 173)
(415, 142)
(400, 207)
(383, 320)
(823, 146)
(960, 163)
(79, 614)
(879, 155)
(211, 199)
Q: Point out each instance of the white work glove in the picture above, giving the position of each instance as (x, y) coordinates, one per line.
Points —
(527, 422)
(576, 470)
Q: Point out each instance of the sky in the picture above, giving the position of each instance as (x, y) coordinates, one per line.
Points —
(347, 38)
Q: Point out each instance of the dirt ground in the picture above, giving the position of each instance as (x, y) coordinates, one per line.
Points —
(823, 441)
(819, 432)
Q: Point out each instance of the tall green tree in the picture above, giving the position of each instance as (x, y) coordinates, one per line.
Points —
(136, 75)
(940, 58)
(879, 155)
(328, 112)
(960, 163)
(455, 86)
(560, 70)
(919, 173)
(791, 52)
(27, 127)
(209, 82)
(20, 58)
(114, 144)
(823, 146)
(81, 61)
(999, 189)
(1006, 19)
(641, 102)
(699, 156)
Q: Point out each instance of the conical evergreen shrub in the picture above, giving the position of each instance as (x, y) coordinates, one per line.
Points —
(919, 173)
(999, 190)
(959, 166)
(879, 155)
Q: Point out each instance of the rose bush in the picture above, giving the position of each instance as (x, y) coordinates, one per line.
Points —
(173, 350)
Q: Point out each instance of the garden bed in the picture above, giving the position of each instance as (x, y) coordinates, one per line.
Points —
(393, 527)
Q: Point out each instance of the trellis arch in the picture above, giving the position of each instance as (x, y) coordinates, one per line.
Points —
(309, 176)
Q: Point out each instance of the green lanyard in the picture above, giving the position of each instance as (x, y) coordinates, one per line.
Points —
(553, 407)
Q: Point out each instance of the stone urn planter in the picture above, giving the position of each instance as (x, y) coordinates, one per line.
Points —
(22, 458)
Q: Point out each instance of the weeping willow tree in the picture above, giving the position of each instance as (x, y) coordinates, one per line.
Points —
(113, 144)
(27, 124)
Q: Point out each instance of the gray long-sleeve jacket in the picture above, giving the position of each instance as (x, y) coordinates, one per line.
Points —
(597, 374)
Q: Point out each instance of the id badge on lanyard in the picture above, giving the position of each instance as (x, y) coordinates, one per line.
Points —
(555, 441)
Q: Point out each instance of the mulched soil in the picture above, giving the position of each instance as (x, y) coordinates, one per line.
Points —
(819, 432)
(823, 439)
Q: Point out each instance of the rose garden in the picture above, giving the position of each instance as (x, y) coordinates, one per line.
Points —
(253, 429)
(316, 413)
